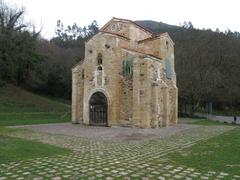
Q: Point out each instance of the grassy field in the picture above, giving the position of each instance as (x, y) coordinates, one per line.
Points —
(200, 121)
(15, 149)
(18, 107)
(220, 153)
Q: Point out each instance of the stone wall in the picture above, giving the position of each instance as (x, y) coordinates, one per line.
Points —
(127, 29)
(146, 98)
(126, 103)
(77, 93)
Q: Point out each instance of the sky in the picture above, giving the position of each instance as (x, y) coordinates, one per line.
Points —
(43, 14)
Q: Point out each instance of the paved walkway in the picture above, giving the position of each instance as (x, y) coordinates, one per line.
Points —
(106, 159)
(224, 119)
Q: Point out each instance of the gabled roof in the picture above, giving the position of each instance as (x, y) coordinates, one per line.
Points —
(115, 34)
(139, 51)
(153, 36)
(107, 32)
(157, 36)
(78, 64)
(127, 20)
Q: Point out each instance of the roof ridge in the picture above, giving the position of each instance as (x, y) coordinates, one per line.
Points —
(139, 26)
(78, 63)
(136, 50)
(114, 34)
(156, 36)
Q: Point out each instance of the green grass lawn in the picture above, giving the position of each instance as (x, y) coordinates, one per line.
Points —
(15, 149)
(11, 119)
(19, 107)
(221, 153)
(201, 121)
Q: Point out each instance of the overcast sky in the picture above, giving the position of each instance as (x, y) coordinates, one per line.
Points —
(222, 14)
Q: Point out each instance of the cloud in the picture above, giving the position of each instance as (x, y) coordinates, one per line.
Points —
(203, 14)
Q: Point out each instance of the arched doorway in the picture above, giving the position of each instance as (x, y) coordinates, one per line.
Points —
(98, 109)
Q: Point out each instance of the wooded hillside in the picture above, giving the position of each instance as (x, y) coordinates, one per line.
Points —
(207, 65)
(207, 62)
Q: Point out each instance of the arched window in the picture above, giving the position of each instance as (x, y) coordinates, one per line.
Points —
(99, 59)
(167, 44)
(83, 74)
(156, 74)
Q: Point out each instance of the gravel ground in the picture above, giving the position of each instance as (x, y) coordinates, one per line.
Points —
(96, 159)
(108, 133)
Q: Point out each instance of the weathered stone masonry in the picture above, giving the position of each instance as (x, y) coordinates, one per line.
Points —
(126, 79)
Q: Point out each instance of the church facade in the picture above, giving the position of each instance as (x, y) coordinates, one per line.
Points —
(127, 78)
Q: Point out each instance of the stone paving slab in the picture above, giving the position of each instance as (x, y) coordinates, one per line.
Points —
(98, 159)
(108, 133)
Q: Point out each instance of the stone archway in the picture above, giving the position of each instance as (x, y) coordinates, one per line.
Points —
(98, 108)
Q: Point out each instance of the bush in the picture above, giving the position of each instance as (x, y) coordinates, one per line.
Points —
(2, 83)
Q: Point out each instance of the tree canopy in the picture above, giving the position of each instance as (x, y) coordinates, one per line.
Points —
(207, 62)
(207, 65)
(18, 56)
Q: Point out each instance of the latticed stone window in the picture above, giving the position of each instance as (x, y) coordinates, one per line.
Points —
(127, 67)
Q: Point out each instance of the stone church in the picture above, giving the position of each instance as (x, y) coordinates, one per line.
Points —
(127, 78)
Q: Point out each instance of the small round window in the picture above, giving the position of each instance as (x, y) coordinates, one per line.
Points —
(99, 68)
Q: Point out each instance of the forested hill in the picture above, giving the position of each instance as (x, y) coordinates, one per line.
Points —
(158, 27)
(207, 64)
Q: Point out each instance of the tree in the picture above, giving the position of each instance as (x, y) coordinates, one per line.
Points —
(18, 56)
(64, 51)
(73, 36)
(187, 25)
